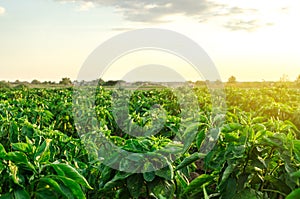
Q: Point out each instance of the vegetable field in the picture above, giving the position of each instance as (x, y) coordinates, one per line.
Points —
(48, 150)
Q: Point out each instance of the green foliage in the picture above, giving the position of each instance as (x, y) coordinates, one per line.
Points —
(253, 153)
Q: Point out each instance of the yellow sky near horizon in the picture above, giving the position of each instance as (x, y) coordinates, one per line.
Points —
(47, 40)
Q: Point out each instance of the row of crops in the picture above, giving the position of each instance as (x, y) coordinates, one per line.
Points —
(154, 143)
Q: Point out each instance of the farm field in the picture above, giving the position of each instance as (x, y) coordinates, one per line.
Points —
(52, 147)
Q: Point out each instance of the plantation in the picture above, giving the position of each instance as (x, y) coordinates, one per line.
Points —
(54, 145)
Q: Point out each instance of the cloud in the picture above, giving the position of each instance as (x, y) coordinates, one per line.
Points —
(162, 11)
(85, 6)
(249, 26)
(2, 10)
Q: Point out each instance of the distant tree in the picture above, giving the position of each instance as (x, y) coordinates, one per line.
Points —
(35, 81)
(111, 82)
(232, 79)
(4, 84)
(65, 81)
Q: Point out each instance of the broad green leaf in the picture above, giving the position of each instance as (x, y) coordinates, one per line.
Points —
(21, 194)
(43, 152)
(24, 147)
(210, 140)
(2, 151)
(166, 172)
(69, 172)
(7, 196)
(53, 184)
(246, 194)
(149, 175)
(20, 158)
(126, 165)
(294, 194)
(13, 132)
(296, 144)
(105, 175)
(227, 128)
(134, 185)
(112, 184)
(121, 176)
(189, 160)
(73, 186)
(160, 188)
(296, 174)
(44, 193)
(17, 157)
(194, 186)
(189, 136)
(229, 169)
(200, 137)
(230, 188)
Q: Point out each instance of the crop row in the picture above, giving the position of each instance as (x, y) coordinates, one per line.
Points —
(158, 143)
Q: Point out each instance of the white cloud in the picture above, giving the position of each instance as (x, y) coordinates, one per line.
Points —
(85, 6)
(233, 15)
(2, 10)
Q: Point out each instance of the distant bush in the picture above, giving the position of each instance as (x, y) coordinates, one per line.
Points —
(35, 81)
(4, 84)
(21, 86)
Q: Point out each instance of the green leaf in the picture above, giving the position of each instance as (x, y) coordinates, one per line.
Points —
(135, 185)
(105, 175)
(69, 172)
(43, 152)
(230, 188)
(20, 158)
(294, 194)
(246, 194)
(7, 196)
(121, 176)
(161, 188)
(149, 173)
(24, 147)
(227, 128)
(166, 172)
(296, 174)
(182, 179)
(17, 157)
(14, 174)
(189, 136)
(205, 193)
(149, 176)
(13, 132)
(189, 160)
(21, 194)
(226, 174)
(199, 139)
(73, 186)
(210, 140)
(53, 184)
(2, 151)
(194, 186)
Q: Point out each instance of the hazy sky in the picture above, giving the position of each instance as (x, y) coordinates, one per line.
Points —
(253, 40)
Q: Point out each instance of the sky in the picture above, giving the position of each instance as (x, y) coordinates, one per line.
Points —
(255, 40)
